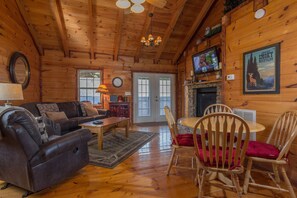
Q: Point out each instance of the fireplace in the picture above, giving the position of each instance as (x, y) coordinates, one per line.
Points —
(191, 96)
(204, 98)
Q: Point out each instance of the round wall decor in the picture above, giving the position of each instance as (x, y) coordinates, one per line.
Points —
(19, 69)
(117, 82)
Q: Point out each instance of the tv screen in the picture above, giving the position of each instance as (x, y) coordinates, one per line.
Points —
(206, 61)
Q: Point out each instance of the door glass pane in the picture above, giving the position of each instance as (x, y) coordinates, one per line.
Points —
(165, 94)
(143, 97)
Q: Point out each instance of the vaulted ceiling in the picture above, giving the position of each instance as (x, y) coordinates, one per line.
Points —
(99, 27)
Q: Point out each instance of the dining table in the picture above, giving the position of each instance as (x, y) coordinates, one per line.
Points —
(188, 124)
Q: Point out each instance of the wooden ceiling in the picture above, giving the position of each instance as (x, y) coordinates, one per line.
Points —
(99, 27)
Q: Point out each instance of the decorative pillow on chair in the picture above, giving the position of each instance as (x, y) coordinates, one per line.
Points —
(43, 108)
(91, 111)
(57, 116)
(42, 129)
(83, 110)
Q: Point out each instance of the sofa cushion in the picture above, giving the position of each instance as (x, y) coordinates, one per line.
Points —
(91, 111)
(70, 109)
(43, 108)
(82, 109)
(56, 116)
(68, 125)
(82, 119)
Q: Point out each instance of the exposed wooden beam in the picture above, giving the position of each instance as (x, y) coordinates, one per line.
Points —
(91, 29)
(179, 8)
(58, 14)
(198, 20)
(144, 31)
(118, 35)
(32, 31)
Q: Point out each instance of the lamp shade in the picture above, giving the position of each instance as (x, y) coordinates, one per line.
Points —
(123, 4)
(102, 89)
(137, 8)
(9, 91)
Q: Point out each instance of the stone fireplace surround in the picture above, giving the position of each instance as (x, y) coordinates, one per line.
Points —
(191, 94)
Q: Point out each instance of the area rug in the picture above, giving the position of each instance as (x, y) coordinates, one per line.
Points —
(117, 148)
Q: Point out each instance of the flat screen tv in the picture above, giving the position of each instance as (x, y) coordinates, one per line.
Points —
(206, 61)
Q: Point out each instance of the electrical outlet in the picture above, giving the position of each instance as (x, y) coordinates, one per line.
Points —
(231, 77)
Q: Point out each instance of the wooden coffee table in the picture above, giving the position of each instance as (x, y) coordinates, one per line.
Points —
(107, 125)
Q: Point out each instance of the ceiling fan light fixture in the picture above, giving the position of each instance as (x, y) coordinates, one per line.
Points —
(123, 4)
(137, 8)
(138, 1)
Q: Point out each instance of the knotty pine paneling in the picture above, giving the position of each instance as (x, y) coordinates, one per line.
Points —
(59, 73)
(246, 33)
(15, 36)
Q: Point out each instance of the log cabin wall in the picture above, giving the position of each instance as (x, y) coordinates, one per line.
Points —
(213, 18)
(59, 73)
(246, 33)
(15, 36)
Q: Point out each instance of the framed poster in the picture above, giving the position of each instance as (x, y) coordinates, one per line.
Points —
(261, 70)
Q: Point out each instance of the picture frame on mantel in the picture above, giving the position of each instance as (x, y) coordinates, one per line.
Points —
(261, 70)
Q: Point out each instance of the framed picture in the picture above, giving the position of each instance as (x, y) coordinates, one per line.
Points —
(261, 70)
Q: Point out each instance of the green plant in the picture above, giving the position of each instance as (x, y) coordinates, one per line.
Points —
(231, 4)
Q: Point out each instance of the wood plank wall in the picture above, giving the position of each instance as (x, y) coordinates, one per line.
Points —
(59, 74)
(212, 18)
(15, 36)
(246, 33)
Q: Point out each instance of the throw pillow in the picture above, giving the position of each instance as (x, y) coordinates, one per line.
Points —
(91, 111)
(43, 108)
(56, 116)
(42, 129)
(82, 107)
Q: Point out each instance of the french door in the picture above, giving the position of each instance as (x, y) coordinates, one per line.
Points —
(151, 92)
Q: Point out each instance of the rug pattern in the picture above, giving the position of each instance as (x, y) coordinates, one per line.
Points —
(117, 148)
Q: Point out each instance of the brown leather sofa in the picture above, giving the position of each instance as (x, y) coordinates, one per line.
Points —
(28, 163)
(73, 112)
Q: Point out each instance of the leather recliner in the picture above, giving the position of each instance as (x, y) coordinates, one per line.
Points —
(28, 163)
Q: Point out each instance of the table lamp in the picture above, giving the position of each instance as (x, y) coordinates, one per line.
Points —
(9, 91)
(102, 89)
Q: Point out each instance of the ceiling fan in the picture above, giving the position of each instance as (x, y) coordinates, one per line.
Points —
(136, 7)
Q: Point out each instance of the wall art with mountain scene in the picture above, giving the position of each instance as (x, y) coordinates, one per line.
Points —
(261, 70)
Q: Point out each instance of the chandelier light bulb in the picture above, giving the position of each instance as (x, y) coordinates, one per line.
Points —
(123, 4)
(150, 37)
(143, 40)
(137, 8)
(138, 1)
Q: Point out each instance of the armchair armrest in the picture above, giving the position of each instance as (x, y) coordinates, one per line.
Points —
(104, 112)
(60, 145)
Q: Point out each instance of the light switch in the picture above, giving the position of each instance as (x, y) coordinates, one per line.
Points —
(231, 77)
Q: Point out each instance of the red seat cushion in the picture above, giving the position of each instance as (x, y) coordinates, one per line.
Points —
(263, 150)
(186, 139)
(199, 154)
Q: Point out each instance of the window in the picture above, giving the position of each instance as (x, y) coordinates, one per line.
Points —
(88, 82)
(165, 94)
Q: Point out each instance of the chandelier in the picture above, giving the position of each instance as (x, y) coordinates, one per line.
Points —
(151, 41)
(136, 7)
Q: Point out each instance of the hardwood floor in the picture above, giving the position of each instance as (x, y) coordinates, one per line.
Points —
(141, 175)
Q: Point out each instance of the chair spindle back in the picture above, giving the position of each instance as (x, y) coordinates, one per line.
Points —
(217, 149)
(216, 108)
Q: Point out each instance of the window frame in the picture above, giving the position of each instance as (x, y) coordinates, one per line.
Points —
(78, 82)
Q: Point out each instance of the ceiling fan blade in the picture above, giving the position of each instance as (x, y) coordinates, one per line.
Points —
(158, 3)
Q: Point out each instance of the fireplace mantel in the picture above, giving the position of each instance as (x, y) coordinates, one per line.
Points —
(190, 94)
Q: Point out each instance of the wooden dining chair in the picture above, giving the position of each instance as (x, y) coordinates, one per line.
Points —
(216, 108)
(179, 141)
(217, 154)
(275, 152)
